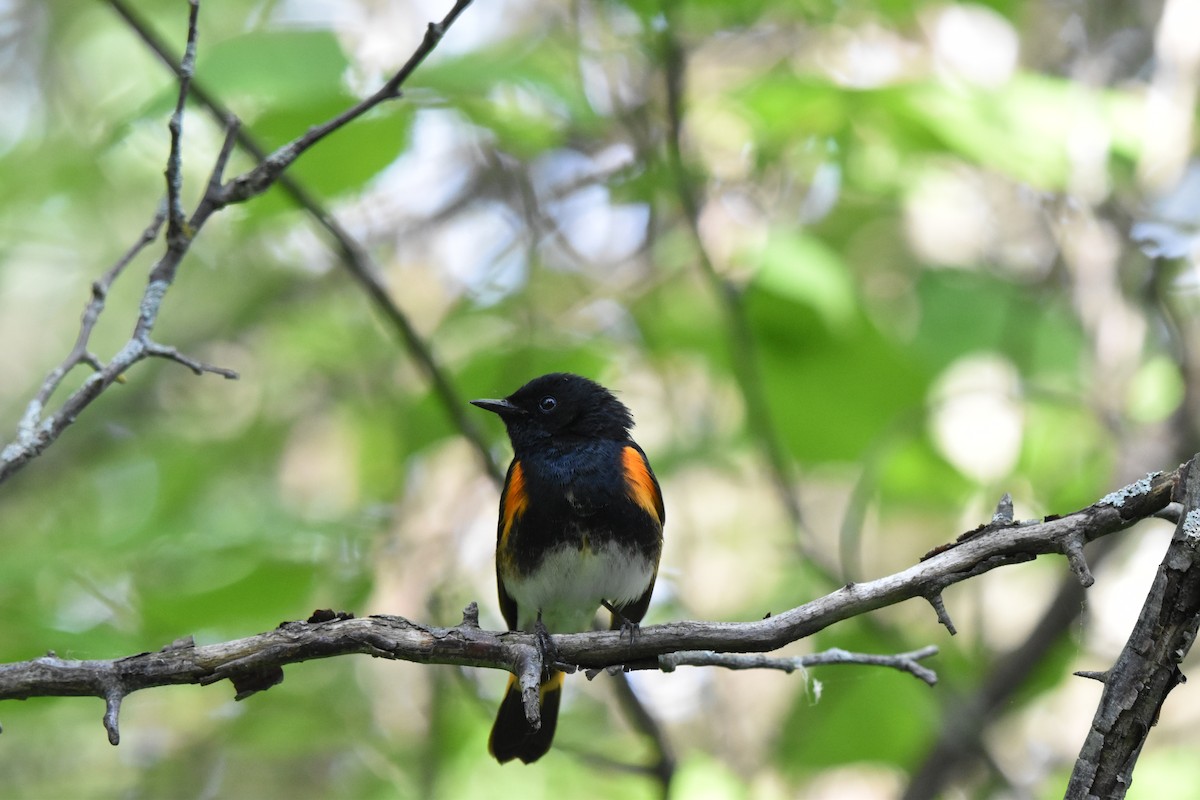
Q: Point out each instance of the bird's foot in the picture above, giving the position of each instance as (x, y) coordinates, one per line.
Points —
(545, 646)
(628, 627)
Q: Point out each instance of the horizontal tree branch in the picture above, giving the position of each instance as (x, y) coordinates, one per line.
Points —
(256, 663)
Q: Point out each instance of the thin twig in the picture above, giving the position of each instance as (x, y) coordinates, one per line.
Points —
(176, 225)
(351, 255)
(80, 352)
(263, 176)
(195, 365)
(905, 662)
(35, 432)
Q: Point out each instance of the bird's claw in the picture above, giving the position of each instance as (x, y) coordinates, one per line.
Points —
(628, 627)
(545, 646)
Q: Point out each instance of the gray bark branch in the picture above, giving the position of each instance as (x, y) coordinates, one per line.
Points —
(256, 663)
(1136, 687)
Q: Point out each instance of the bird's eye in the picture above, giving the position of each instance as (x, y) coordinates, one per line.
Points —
(547, 404)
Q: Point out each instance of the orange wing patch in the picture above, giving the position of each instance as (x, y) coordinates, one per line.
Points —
(514, 502)
(642, 488)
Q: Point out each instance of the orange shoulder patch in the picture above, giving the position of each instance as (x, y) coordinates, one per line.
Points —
(643, 489)
(514, 501)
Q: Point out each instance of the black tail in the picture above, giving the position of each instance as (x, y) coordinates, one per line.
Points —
(513, 736)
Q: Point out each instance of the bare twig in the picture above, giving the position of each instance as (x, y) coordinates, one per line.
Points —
(176, 220)
(939, 608)
(905, 662)
(351, 255)
(37, 432)
(256, 663)
(80, 353)
(196, 366)
(262, 177)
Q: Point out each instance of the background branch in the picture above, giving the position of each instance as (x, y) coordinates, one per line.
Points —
(353, 258)
(663, 766)
(743, 353)
(37, 432)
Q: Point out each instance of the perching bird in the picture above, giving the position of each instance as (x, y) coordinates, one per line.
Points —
(581, 520)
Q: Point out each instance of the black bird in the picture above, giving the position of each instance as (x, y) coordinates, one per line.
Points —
(581, 520)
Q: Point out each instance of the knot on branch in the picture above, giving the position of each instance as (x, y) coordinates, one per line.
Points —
(258, 680)
(529, 676)
(112, 711)
(1003, 515)
(939, 608)
(1072, 548)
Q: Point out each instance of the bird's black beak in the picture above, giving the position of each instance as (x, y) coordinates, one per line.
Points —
(501, 407)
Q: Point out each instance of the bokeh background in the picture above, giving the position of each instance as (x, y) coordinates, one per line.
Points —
(858, 269)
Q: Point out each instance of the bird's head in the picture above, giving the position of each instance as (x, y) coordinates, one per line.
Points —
(560, 407)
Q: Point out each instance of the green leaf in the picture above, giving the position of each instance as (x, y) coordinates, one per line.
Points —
(831, 393)
(1025, 128)
(349, 158)
(802, 269)
(279, 68)
(829, 730)
(964, 312)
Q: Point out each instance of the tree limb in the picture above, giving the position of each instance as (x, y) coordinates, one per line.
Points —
(256, 662)
(960, 742)
(1136, 687)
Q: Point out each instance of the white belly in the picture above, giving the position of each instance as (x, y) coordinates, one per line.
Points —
(570, 583)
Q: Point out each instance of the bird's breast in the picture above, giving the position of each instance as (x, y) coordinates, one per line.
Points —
(571, 579)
